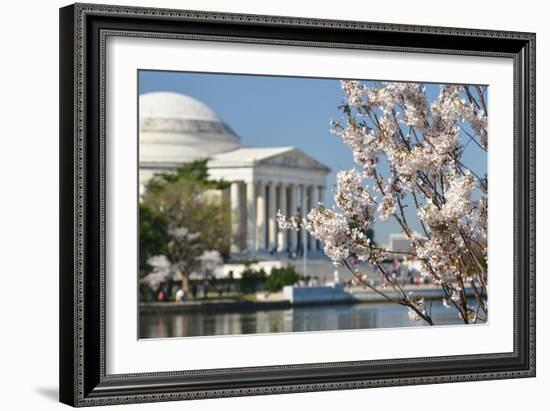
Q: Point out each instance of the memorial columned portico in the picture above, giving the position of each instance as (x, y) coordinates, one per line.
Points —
(264, 181)
(254, 206)
(176, 129)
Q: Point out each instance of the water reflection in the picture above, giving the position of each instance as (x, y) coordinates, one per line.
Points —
(310, 318)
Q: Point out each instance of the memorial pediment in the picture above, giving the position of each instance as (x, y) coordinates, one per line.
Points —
(294, 159)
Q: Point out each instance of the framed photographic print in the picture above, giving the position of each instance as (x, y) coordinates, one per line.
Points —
(261, 204)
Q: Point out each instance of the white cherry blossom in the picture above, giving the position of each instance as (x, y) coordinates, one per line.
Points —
(409, 153)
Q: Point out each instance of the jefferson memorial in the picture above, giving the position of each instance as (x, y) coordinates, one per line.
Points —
(175, 129)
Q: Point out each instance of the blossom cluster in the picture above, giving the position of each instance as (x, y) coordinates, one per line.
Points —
(409, 151)
(419, 307)
(343, 231)
(182, 242)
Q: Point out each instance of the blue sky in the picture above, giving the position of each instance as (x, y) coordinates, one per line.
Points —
(268, 111)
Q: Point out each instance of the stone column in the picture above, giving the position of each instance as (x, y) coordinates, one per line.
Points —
(293, 243)
(236, 217)
(251, 217)
(313, 201)
(272, 216)
(303, 213)
(282, 235)
(260, 216)
(319, 246)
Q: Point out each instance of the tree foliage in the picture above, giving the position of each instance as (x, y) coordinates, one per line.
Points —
(280, 277)
(185, 199)
(252, 280)
(153, 236)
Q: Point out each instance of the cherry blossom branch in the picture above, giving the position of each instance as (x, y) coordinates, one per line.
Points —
(404, 301)
(481, 304)
(426, 163)
(421, 222)
(481, 98)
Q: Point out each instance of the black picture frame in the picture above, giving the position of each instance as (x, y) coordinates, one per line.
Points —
(83, 30)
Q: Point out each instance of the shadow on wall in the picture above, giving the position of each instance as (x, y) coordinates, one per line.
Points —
(51, 393)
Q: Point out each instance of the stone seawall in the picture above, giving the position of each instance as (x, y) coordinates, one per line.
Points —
(212, 306)
(292, 296)
(323, 294)
(429, 292)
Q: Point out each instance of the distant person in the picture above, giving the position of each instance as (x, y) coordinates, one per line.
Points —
(161, 296)
(180, 294)
(194, 291)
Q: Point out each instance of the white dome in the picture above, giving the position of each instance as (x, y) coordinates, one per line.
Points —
(174, 105)
(175, 128)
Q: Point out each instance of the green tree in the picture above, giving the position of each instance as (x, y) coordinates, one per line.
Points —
(153, 236)
(183, 251)
(280, 277)
(196, 171)
(252, 280)
(187, 199)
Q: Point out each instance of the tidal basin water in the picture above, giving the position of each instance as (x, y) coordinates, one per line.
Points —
(296, 319)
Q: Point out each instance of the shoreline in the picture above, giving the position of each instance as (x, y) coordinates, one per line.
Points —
(357, 297)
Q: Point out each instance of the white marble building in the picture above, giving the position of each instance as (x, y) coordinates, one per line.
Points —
(175, 129)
